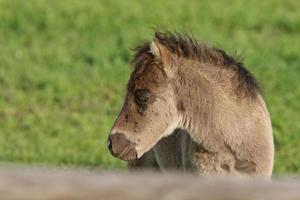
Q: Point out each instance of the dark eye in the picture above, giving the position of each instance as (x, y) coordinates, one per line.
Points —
(141, 97)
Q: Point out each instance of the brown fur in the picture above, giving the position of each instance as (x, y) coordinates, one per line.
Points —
(184, 46)
(194, 108)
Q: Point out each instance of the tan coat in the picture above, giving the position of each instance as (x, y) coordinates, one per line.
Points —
(192, 108)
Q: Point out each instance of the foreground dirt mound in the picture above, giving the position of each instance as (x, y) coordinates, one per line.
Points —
(81, 184)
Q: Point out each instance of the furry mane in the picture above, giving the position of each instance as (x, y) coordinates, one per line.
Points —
(185, 46)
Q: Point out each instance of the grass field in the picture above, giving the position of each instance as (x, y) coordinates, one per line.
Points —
(64, 66)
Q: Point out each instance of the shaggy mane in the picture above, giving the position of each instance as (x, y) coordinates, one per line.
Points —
(185, 46)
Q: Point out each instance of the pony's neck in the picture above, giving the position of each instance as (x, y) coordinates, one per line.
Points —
(197, 99)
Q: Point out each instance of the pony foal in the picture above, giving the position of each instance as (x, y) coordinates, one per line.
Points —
(190, 107)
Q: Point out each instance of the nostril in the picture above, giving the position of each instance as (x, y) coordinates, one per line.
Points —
(109, 144)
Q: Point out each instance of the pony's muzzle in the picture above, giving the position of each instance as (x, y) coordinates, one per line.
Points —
(120, 146)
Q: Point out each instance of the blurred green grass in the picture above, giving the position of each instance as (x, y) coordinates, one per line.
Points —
(64, 66)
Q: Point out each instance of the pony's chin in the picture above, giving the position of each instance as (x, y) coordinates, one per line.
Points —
(141, 151)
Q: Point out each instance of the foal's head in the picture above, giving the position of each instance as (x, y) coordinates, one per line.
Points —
(152, 108)
(149, 111)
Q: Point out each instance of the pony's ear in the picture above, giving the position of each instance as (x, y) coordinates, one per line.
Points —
(163, 54)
